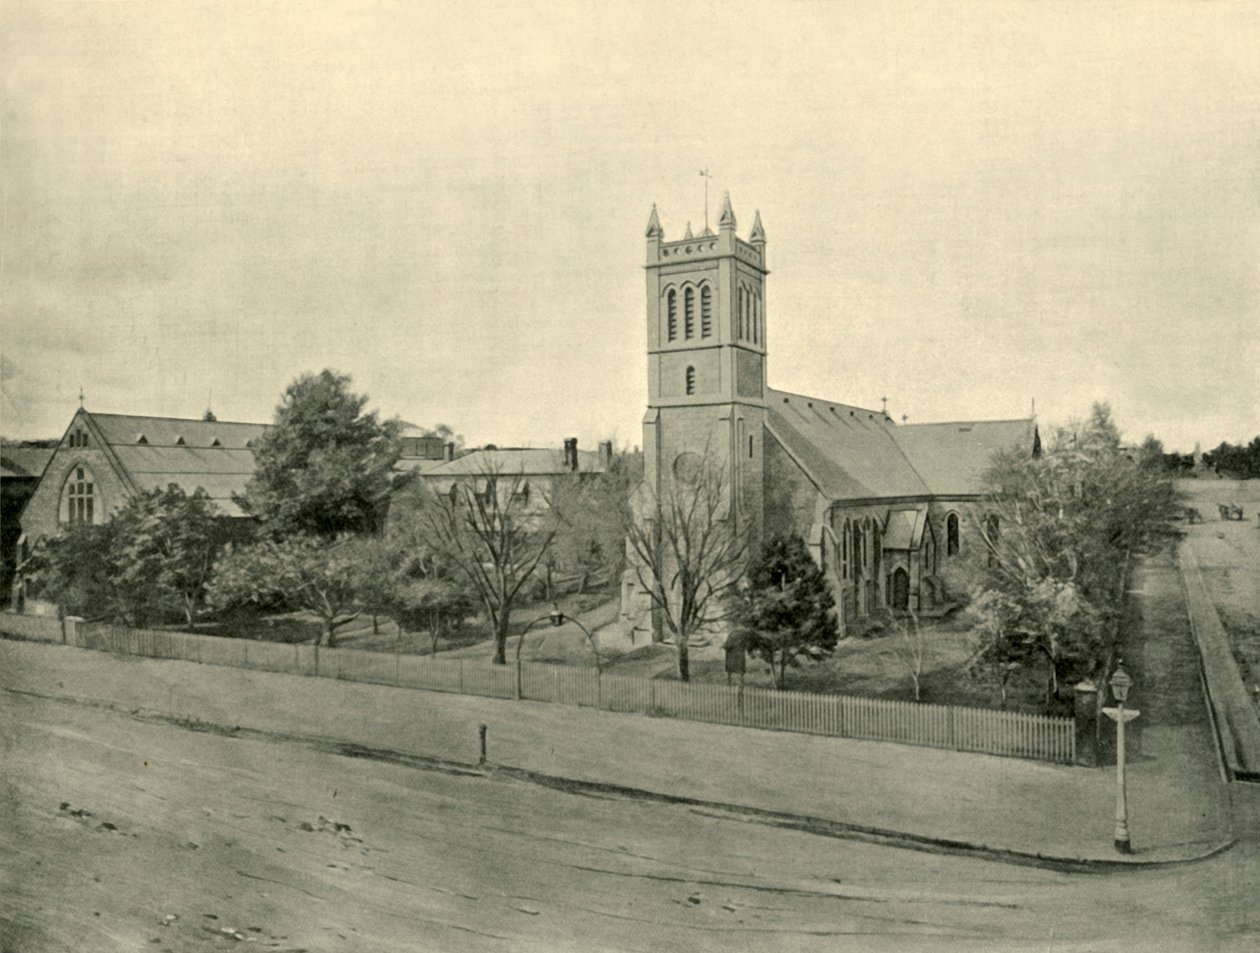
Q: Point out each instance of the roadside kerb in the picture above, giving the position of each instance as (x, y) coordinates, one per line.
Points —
(929, 798)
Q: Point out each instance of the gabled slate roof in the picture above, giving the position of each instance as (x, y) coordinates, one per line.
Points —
(855, 453)
(541, 461)
(216, 455)
(953, 457)
(850, 452)
(125, 429)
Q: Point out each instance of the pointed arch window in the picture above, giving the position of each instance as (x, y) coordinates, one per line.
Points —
(951, 534)
(756, 318)
(706, 312)
(739, 317)
(671, 308)
(845, 537)
(80, 505)
(691, 381)
(689, 313)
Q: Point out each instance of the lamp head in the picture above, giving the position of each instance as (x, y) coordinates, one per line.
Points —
(1120, 683)
(556, 617)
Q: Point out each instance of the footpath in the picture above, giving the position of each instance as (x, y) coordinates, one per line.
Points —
(925, 798)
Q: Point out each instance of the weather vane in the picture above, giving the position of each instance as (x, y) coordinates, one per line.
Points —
(704, 174)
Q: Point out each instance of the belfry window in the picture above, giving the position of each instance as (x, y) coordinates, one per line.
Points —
(691, 381)
(671, 307)
(706, 312)
(756, 318)
(689, 313)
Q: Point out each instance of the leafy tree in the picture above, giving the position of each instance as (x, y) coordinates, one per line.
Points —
(326, 467)
(297, 572)
(1065, 524)
(424, 591)
(784, 612)
(686, 551)
(153, 556)
(75, 570)
(1151, 453)
(437, 604)
(1242, 462)
(182, 534)
(488, 532)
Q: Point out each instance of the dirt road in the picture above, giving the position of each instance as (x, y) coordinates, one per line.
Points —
(126, 833)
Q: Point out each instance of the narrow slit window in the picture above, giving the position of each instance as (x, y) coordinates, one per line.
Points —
(691, 381)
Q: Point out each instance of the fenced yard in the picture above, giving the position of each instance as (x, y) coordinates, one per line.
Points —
(940, 726)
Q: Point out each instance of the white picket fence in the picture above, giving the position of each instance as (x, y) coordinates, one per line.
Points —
(1016, 734)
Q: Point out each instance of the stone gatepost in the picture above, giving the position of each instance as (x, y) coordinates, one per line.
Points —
(1086, 712)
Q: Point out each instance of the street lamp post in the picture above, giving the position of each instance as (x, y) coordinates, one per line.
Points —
(1120, 684)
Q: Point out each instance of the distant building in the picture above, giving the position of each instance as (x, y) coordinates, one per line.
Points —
(103, 460)
(884, 508)
(532, 470)
(21, 466)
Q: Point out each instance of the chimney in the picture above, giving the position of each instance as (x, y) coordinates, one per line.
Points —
(570, 454)
(448, 451)
(605, 455)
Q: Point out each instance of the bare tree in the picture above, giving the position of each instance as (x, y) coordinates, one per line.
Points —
(910, 649)
(687, 552)
(490, 532)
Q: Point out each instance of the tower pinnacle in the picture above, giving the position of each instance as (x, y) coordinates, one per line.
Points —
(654, 229)
(758, 234)
(727, 218)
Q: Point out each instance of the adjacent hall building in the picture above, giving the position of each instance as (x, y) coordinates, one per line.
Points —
(883, 507)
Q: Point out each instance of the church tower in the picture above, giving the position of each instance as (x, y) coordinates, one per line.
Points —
(706, 349)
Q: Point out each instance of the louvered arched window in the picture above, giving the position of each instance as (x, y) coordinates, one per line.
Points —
(691, 380)
(756, 318)
(689, 313)
(671, 309)
(706, 312)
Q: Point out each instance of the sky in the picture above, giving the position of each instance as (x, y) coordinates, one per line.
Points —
(969, 207)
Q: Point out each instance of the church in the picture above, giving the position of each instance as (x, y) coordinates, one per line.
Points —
(884, 508)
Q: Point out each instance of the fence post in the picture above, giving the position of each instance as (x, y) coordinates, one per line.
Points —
(652, 687)
(953, 730)
(461, 675)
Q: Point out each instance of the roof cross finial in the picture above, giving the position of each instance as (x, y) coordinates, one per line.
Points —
(80, 397)
(885, 400)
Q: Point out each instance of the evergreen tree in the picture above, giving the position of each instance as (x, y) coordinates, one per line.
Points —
(326, 467)
(784, 612)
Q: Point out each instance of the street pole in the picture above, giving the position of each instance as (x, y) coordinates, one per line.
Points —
(1120, 684)
(1122, 803)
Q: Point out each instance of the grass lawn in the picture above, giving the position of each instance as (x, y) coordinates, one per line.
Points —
(868, 667)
